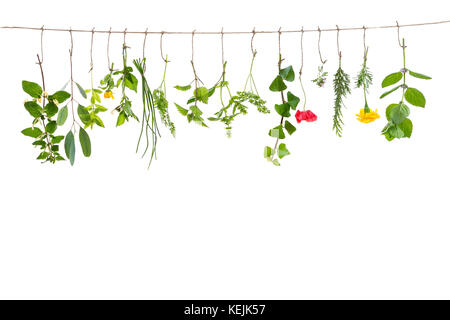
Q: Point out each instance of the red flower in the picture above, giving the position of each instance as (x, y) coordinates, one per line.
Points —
(307, 115)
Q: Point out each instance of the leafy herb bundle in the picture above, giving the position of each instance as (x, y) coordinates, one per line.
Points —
(341, 85)
(321, 77)
(364, 80)
(399, 125)
(279, 151)
(161, 103)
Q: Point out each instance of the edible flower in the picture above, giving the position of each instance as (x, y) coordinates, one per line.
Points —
(367, 116)
(307, 115)
(108, 94)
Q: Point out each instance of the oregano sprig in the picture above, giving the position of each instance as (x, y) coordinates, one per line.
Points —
(399, 125)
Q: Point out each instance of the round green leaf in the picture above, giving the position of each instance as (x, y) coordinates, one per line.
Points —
(33, 89)
(415, 97)
(32, 132)
(33, 108)
(51, 127)
(399, 113)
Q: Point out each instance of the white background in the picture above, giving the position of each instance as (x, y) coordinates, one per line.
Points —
(350, 217)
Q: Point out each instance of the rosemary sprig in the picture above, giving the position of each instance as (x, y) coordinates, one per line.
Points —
(341, 84)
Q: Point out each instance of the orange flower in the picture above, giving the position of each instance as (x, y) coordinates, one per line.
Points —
(108, 94)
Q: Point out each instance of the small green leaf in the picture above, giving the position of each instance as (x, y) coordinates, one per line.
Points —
(399, 113)
(419, 75)
(283, 109)
(33, 108)
(85, 142)
(290, 128)
(99, 121)
(32, 132)
(83, 114)
(293, 100)
(415, 97)
(131, 82)
(51, 127)
(69, 147)
(391, 79)
(283, 151)
(51, 109)
(57, 139)
(287, 74)
(396, 132)
(277, 84)
(33, 89)
(268, 152)
(406, 126)
(277, 132)
(121, 119)
(183, 88)
(43, 155)
(181, 110)
(62, 116)
(81, 90)
(389, 92)
(389, 109)
(276, 162)
(201, 94)
(59, 96)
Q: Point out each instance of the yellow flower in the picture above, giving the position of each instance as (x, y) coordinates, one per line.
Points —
(367, 117)
(108, 94)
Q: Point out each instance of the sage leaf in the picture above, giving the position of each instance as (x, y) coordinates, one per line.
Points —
(85, 142)
(419, 75)
(391, 79)
(33, 89)
(62, 116)
(32, 132)
(415, 97)
(69, 147)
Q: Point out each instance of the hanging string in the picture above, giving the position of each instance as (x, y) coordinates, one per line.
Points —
(143, 45)
(398, 36)
(42, 41)
(124, 39)
(92, 44)
(364, 43)
(318, 46)
(196, 78)
(301, 51)
(235, 32)
(161, 48)
(223, 54)
(337, 40)
(301, 72)
(251, 43)
(107, 51)
(71, 77)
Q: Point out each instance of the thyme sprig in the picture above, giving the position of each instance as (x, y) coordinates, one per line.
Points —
(161, 103)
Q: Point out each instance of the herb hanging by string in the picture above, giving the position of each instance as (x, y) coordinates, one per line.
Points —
(160, 97)
(288, 103)
(200, 94)
(306, 115)
(126, 80)
(322, 75)
(399, 125)
(236, 103)
(341, 86)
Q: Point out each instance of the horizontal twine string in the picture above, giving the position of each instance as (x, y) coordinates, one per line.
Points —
(253, 31)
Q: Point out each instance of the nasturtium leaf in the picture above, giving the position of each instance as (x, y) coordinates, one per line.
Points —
(293, 100)
(287, 74)
(32, 132)
(268, 152)
(276, 162)
(57, 139)
(33, 108)
(419, 75)
(277, 84)
(389, 109)
(181, 110)
(183, 88)
(201, 94)
(399, 113)
(277, 132)
(389, 92)
(121, 119)
(391, 79)
(59, 96)
(81, 90)
(62, 116)
(83, 114)
(396, 132)
(33, 89)
(69, 147)
(51, 127)
(283, 151)
(406, 126)
(289, 127)
(415, 97)
(85, 142)
(51, 109)
(283, 109)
